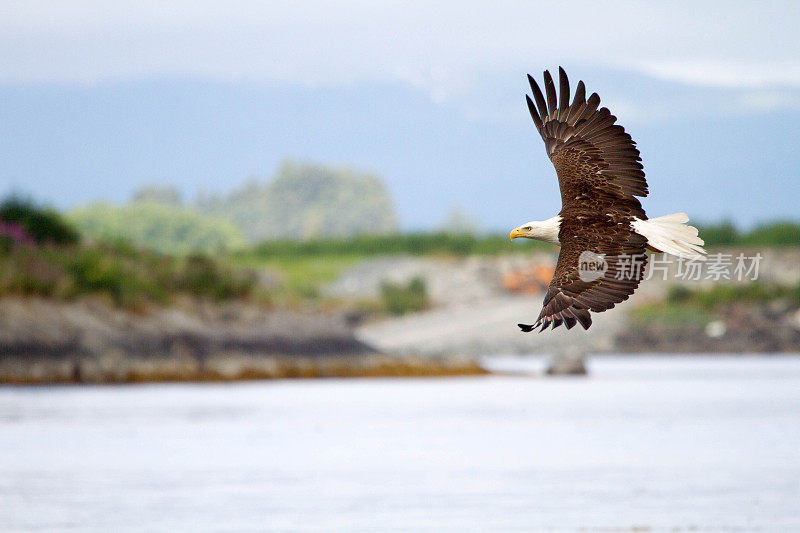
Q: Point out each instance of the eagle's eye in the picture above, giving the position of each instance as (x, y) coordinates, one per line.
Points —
(527, 228)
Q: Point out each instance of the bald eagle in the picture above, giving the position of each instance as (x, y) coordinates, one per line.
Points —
(601, 228)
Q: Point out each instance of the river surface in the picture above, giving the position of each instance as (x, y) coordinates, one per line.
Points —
(674, 444)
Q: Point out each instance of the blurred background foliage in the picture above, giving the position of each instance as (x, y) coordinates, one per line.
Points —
(42, 255)
(399, 299)
(684, 306)
(305, 201)
(24, 220)
(438, 243)
(308, 210)
(120, 274)
(776, 233)
(160, 227)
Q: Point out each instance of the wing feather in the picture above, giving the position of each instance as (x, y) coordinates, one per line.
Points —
(550, 90)
(580, 97)
(534, 114)
(539, 97)
(563, 95)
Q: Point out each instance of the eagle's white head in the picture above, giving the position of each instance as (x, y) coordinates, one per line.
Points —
(544, 230)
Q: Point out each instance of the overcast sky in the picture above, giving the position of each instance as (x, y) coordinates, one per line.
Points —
(205, 94)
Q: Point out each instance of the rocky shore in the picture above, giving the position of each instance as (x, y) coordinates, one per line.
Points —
(743, 329)
(42, 341)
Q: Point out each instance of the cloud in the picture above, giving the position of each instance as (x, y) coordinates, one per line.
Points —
(435, 46)
(726, 73)
(770, 100)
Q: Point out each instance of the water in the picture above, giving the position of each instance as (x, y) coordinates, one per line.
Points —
(660, 443)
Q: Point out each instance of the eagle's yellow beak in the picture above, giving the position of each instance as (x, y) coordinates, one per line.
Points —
(516, 232)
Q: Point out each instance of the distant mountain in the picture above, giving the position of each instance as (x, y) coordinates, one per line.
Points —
(306, 201)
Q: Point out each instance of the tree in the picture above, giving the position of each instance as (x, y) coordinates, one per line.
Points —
(306, 201)
(158, 194)
(159, 227)
(42, 225)
(459, 221)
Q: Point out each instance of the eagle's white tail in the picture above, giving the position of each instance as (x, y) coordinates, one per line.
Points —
(672, 235)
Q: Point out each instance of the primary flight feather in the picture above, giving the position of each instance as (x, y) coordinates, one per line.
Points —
(601, 224)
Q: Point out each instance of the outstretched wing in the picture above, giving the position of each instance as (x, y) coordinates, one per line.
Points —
(595, 159)
(600, 175)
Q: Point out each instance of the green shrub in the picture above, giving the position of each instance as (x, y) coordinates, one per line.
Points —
(6, 244)
(673, 315)
(722, 234)
(43, 225)
(774, 234)
(128, 277)
(104, 270)
(31, 275)
(783, 233)
(401, 299)
(202, 276)
(709, 298)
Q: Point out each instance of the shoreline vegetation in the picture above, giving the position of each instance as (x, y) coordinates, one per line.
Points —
(75, 310)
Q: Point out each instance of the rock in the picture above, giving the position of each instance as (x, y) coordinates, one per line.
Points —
(567, 364)
(716, 329)
(795, 320)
